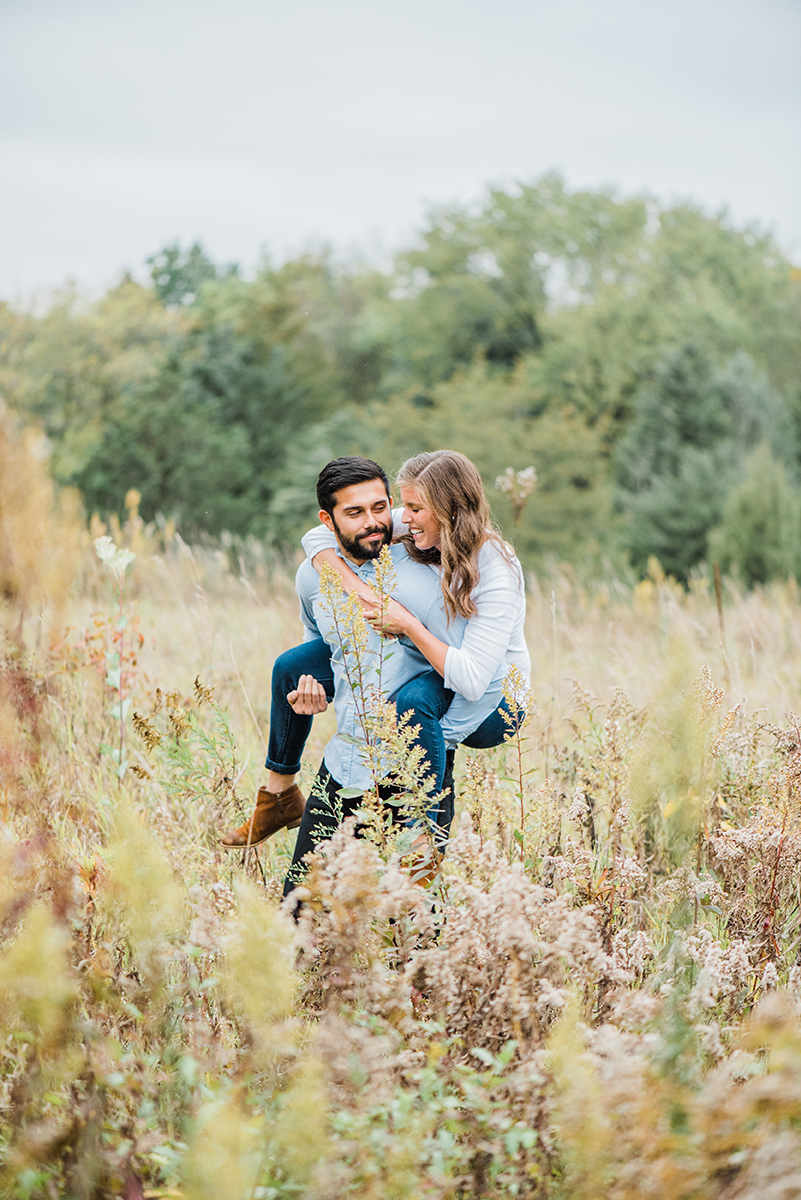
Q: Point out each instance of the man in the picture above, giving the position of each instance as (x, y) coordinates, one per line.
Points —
(356, 507)
(355, 504)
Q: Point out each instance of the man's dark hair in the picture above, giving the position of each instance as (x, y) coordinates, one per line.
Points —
(341, 473)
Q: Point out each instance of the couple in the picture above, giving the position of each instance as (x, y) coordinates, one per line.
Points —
(457, 611)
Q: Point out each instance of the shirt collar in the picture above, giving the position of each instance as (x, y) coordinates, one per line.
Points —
(367, 567)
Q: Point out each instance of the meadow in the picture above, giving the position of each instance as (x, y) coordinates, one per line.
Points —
(597, 997)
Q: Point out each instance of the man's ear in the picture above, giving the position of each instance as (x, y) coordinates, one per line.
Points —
(326, 519)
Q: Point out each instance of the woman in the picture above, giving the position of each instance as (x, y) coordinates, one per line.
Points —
(446, 521)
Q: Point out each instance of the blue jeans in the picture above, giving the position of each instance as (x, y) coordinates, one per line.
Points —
(427, 698)
(288, 730)
(491, 732)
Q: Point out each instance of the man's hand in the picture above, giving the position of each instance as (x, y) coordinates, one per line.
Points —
(308, 698)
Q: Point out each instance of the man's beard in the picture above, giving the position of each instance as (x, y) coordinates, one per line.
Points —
(364, 551)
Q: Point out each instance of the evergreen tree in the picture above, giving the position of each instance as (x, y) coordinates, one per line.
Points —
(206, 441)
(761, 522)
(693, 429)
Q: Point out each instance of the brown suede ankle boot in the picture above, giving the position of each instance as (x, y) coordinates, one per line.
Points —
(273, 811)
(423, 864)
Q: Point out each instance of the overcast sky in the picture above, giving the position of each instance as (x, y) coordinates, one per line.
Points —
(273, 124)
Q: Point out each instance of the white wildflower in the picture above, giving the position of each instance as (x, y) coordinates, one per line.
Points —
(794, 981)
(579, 810)
(629, 871)
(116, 559)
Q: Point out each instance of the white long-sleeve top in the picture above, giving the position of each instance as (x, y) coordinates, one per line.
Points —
(493, 638)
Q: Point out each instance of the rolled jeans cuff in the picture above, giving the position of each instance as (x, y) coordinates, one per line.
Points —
(281, 768)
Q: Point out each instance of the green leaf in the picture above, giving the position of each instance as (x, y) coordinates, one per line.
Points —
(508, 1052)
(517, 835)
(350, 793)
(518, 1137)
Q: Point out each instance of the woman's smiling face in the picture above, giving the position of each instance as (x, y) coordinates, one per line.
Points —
(423, 525)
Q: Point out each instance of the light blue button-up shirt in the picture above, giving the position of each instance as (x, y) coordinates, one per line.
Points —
(417, 588)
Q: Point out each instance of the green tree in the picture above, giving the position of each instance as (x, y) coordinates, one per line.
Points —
(672, 518)
(178, 275)
(233, 413)
(500, 421)
(761, 522)
(205, 441)
(594, 288)
(685, 447)
(682, 408)
(69, 368)
(683, 277)
(482, 280)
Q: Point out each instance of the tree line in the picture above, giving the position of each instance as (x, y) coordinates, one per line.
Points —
(644, 358)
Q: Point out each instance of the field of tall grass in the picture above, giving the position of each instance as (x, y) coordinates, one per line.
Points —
(599, 996)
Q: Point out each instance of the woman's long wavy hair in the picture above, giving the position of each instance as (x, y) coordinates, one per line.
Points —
(448, 484)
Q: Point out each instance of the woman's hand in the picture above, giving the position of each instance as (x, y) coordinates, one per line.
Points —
(395, 621)
(308, 698)
(391, 620)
